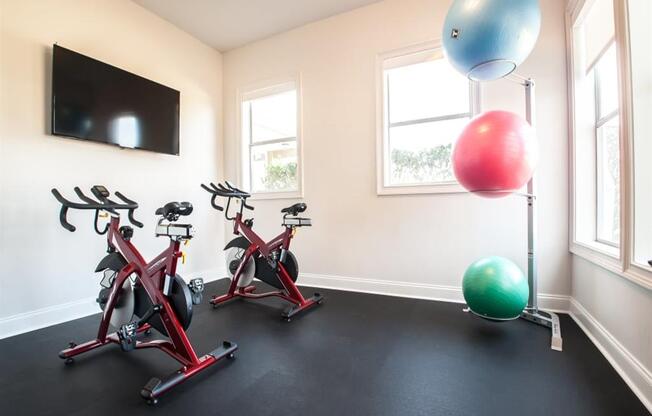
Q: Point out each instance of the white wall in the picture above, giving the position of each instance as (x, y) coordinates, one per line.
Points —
(360, 240)
(47, 272)
(616, 313)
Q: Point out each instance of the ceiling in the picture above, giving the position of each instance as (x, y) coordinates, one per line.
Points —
(228, 24)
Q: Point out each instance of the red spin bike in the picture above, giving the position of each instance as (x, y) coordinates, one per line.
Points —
(138, 296)
(250, 256)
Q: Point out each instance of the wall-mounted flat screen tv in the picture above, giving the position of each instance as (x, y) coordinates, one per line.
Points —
(95, 101)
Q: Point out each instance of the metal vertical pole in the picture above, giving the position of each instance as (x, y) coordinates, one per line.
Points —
(532, 312)
(530, 115)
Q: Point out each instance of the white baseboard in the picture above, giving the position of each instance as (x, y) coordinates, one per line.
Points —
(44, 317)
(553, 303)
(637, 377)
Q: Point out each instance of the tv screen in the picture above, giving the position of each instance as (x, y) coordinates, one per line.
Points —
(95, 101)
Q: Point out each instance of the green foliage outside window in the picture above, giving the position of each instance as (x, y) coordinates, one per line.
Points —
(280, 177)
(427, 165)
(612, 144)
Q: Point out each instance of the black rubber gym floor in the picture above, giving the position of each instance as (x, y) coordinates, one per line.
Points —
(357, 354)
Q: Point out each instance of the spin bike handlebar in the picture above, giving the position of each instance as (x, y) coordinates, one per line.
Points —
(229, 191)
(104, 204)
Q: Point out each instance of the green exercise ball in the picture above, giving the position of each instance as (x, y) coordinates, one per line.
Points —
(495, 288)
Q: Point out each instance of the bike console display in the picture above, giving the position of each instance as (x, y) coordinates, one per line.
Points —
(100, 192)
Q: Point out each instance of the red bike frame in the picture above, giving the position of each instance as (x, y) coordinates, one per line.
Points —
(290, 293)
(151, 276)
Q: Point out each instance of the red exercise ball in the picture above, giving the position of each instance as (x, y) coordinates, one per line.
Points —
(497, 151)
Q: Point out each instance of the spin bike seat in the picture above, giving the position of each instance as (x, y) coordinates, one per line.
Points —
(173, 210)
(295, 209)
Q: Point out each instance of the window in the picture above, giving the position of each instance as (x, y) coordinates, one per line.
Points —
(596, 164)
(640, 33)
(271, 165)
(424, 105)
(611, 68)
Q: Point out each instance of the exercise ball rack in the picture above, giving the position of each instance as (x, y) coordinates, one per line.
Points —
(532, 313)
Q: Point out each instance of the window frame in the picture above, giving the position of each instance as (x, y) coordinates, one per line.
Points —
(259, 90)
(410, 55)
(619, 261)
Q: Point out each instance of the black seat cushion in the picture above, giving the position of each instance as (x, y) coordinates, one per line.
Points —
(173, 210)
(295, 209)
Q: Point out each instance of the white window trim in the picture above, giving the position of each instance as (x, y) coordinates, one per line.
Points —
(618, 261)
(409, 54)
(260, 89)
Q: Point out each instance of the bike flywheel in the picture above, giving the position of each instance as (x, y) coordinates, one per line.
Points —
(234, 257)
(180, 299)
(123, 312)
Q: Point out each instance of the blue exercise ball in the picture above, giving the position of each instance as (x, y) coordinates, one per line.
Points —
(488, 39)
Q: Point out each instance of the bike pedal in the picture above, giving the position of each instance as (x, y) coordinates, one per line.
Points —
(196, 287)
(127, 336)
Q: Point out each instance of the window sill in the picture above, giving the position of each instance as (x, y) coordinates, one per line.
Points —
(448, 188)
(276, 195)
(600, 249)
(603, 256)
(597, 254)
(639, 276)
